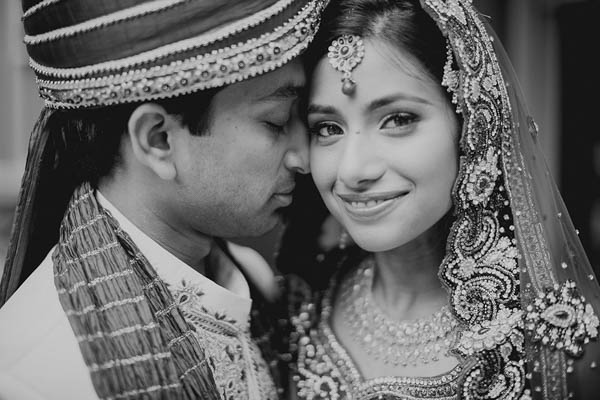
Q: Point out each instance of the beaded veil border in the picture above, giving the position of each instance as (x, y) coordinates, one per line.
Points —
(514, 302)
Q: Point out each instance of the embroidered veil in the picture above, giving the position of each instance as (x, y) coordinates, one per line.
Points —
(514, 258)
(518, 279)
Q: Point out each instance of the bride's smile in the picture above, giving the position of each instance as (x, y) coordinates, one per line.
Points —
(385, 158)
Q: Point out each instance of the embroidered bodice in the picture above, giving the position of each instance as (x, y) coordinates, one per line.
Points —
(324, 370)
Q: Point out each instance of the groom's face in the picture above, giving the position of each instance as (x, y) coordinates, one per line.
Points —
(237, 177)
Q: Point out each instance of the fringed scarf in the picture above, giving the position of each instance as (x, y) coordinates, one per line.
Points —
(131, 333)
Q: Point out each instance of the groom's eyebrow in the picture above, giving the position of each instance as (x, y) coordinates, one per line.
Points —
(288, 91)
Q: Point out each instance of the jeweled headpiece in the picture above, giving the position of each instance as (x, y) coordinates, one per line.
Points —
(345, 53)
(93, 53)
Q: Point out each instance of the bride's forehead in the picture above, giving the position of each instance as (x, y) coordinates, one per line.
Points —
(384, 71)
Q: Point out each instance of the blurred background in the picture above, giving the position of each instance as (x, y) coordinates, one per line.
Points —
(552, 44)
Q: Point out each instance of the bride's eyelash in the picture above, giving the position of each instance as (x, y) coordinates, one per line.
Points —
(402, 121)
(315, 130)
(404, 118)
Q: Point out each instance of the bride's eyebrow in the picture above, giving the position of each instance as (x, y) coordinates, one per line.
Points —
(384, 101)
(321, 109)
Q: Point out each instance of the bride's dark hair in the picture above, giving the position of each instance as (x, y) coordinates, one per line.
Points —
(399, 24)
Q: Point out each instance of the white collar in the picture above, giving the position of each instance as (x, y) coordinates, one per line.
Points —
(175, 272)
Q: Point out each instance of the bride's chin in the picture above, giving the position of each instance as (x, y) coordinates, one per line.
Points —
(376, 245)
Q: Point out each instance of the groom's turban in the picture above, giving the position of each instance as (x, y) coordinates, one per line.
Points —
(88, 53)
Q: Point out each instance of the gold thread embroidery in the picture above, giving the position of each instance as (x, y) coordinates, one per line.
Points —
(107, 306)
(192, 368)
(137, 392)
(118, 332)
(84, 226)
(129, 361)
(90, 254)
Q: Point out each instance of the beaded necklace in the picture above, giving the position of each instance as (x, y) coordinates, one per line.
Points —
(324, 370)
(407, 343)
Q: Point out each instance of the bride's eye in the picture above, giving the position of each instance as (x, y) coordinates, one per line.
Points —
(399, 120)
(325, 130)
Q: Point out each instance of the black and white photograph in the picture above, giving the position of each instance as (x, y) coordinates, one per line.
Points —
(299, 199)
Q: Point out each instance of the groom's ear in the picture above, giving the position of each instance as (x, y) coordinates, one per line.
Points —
(150, 133)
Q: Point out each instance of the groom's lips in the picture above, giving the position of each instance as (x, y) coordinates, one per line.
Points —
(285, 195)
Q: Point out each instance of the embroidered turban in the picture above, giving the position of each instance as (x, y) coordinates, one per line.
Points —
(91, 53)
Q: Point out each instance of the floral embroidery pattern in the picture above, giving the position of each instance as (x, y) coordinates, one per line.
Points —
(490, 334)
(449, 8)
(481, 270)
(561, 319)
(235, 358)
(481, 179)
(187, 295)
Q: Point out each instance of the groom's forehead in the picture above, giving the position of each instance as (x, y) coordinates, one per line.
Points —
(281, 84)
(283, 94)
(285, 91)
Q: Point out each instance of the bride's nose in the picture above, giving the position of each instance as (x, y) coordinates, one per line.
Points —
(360, 163)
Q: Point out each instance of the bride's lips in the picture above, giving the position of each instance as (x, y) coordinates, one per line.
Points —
(366, 206)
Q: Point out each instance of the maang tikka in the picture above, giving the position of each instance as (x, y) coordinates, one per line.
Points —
(345, 53)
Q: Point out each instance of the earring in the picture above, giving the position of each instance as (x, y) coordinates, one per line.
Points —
(451, 77)
(343, 242)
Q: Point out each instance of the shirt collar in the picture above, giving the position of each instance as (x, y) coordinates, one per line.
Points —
(177, 274)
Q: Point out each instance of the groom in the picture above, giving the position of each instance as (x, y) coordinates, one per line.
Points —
(168, 125)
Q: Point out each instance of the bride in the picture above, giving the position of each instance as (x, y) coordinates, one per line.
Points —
(465, 278)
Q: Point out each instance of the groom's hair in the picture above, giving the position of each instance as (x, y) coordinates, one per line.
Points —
(84, 146)
(87, 141)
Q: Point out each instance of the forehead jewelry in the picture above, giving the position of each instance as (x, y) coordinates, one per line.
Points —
(345, 53)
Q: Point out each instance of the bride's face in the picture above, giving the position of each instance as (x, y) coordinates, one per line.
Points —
(384, 159)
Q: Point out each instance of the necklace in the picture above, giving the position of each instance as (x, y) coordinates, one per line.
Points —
(406, 343)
